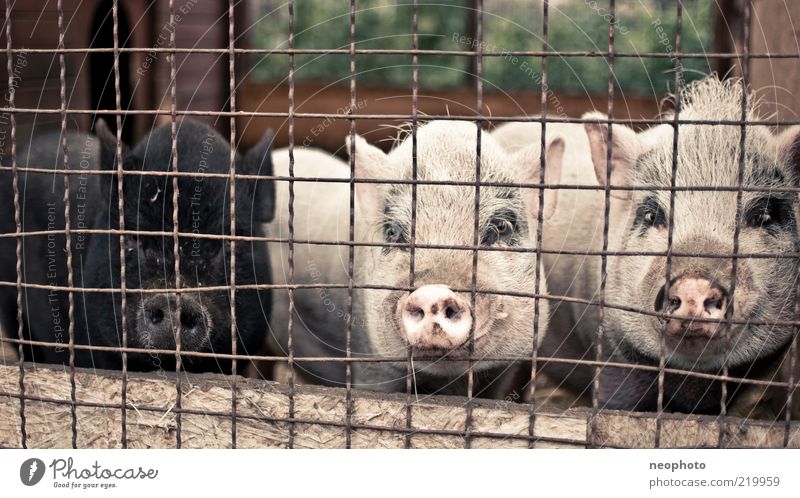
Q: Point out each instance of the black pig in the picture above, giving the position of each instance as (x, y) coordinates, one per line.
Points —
(151, 318)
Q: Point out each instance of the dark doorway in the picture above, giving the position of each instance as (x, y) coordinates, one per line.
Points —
(101, 66)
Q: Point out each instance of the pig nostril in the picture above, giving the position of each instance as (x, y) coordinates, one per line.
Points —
(674, 303)
(188, 320)
(659, 300)
(712, 303)
(416, 313)
(156, 316)
(451, 312)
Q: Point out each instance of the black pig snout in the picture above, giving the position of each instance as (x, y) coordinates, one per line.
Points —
(160, 316)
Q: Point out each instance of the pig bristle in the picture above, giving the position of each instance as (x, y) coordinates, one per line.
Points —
(705, 218)
(708, 154)
(444, 215)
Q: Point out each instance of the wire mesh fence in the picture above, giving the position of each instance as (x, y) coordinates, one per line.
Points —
(445, 267)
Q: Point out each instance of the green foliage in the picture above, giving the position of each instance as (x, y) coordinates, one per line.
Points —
(574, 25)
(583, 25)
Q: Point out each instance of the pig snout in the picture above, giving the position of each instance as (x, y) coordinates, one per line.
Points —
(159, 317)
(434, 317)
(693, 296)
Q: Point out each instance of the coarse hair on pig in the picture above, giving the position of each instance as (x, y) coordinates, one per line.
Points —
(445, 215)
(704, 223)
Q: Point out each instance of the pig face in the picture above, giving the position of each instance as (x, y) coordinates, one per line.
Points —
(704, 223)
(204, 318)
(436, 319)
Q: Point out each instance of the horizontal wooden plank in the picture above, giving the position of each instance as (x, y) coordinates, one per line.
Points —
(378, 420)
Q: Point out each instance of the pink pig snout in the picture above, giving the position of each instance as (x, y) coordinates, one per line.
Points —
(434, 317)
(694, 296)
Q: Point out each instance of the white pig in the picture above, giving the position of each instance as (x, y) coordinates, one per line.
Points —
(699, 287)
(436, 318)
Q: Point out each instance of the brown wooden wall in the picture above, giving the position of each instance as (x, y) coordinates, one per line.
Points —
(776, 29)
(330, 133)
(201, 79)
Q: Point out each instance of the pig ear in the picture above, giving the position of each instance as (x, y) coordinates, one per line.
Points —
(789, 148)
(554, 157)
(108, 145)
(370, 162)
(108, 152)
(261, 193)
(625, 147)
(789, 155)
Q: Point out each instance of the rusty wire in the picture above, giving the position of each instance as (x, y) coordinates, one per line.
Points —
(351, 232)
(673, 175)
(723, 402)
(291, 242)
(591, 428)
(361, 51)
(67, 226)
(531, 295)
(18, 229)
(398, 117)
(539, 227)
(412, 240)
(469, 433)
(175, 238)
(232, 181)
(120, 173)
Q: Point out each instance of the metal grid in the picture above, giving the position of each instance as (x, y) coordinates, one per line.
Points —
(291, 116)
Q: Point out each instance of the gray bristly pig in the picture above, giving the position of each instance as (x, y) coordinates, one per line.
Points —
(704, 223)
(436, 318)
(321, 314)
(700, 287)
(575, 226)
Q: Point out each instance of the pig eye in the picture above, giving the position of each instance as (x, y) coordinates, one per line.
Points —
(501, 229)
(132, 244)
(393, 233)
(650, 214)
(763, 218)
(767, 213)
(152, 255)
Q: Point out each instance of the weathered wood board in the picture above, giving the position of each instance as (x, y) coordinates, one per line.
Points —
(320, 417)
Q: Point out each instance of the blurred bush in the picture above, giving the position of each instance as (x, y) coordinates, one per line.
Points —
(573, 25)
